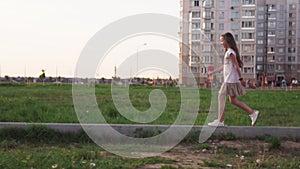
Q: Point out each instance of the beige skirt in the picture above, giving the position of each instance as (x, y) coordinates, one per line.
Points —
(232, 89)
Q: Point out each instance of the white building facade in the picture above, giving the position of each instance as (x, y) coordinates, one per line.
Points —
(267, 33)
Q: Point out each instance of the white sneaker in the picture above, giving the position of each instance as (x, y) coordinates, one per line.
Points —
(216, 123)
(254, 117)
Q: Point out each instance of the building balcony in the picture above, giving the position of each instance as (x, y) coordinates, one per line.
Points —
(248, 40)
(248, 17)
(252, 28)
(248, 5)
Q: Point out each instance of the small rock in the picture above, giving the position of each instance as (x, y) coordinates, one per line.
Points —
(229, 165)
(247, 151)
(257, 161)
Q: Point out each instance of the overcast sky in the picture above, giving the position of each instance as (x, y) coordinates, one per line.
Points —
(50, 34)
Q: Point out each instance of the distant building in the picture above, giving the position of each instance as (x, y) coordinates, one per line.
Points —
(267, 33)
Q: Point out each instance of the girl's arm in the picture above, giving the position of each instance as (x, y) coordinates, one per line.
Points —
(236, 65)
(238, 69)
(219, 69)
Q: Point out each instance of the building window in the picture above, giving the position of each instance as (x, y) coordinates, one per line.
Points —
(260, 42)
(272, 24)
(280, 50)
(281, 16)
(203, 70)
(236, 37)
(248, 2)
(260, 50)
(206, 14)
(260, 16)
(248, 59)
(195, 69)
(290, 67)
(196, 25)
(271, 49)
(221, 15)
(272, 7)
(293, 24)
(280, 33)
(291, 59)
(271, 32)
(221, 26)
(247, 48)
(207, 36)
(196, 3)
(292, 33)
(207, 59)
(271, 41)
(292, 41)
(206, 48)
(221, 4)
(195, 59)
(261, 34)
(196, 46)
(259, 67)
(196, 14)
(260, 25)
(235, 26)
(281, 7)
(208, 3)
(261, 8)
(235, 15)
(291, 50)
(248, 70)
(196, 36)
(208, 25)
(248, 24)
(235, 3)
(249, 13)
(280, 59)
(247, 35)
(271, 67)
(259, 58)
(292, 6)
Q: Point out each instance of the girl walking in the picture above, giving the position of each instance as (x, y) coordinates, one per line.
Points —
(233, 81)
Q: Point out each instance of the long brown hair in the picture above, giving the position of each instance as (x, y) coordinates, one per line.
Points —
(228, 37)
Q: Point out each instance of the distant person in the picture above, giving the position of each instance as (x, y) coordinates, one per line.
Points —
(294, 83)
(283, 83)
(233, 81)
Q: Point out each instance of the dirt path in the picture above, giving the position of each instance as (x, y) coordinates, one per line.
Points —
(194, 156)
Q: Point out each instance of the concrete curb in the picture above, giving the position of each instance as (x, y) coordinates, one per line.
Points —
(130, 130)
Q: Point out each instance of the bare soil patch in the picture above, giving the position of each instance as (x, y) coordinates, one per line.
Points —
(229, 154)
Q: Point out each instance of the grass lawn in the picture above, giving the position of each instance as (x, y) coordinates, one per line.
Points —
(42, 148)
(51, 103)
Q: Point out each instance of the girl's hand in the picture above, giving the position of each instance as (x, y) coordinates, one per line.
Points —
(243, 82)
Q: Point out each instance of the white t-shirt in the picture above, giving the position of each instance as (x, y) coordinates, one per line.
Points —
(230, 73)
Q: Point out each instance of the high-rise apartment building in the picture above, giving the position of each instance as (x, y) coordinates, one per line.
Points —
(267, 33)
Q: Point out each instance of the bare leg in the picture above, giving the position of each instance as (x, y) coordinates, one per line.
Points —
(242, 105)
(221, 108)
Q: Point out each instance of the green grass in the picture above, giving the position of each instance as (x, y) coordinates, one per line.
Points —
(256, 156)
(51, 103)
(72, 155)
(40, 147)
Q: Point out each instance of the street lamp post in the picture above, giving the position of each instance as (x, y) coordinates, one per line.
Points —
(137, 56)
